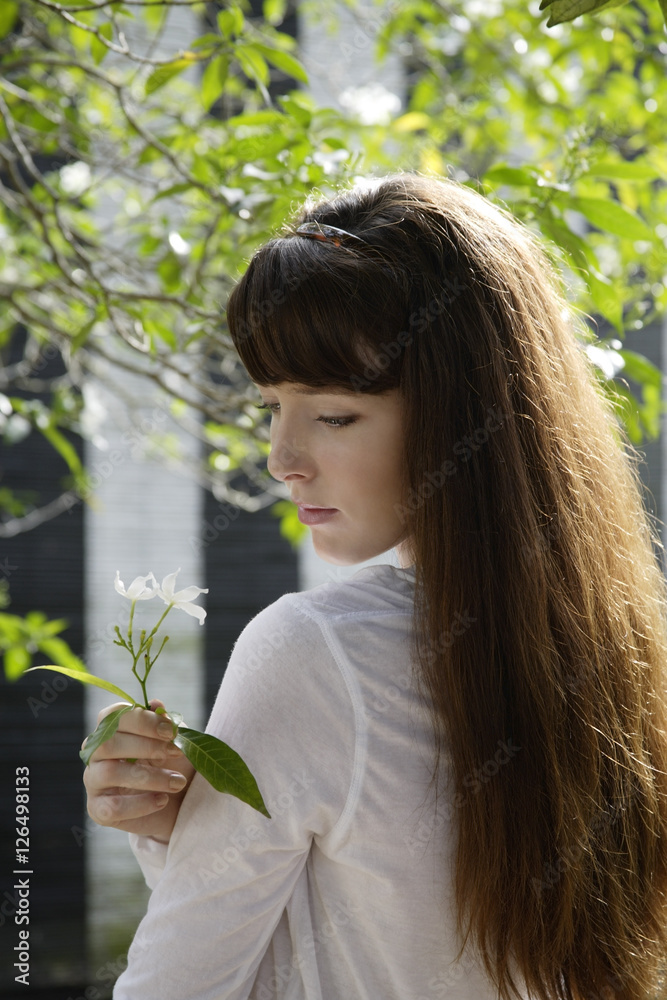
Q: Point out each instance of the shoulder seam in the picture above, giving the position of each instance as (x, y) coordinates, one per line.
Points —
(319, 616)
(360, 722)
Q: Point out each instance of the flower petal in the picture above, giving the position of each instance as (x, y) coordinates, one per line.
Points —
(194, 610)
(138, 591)
(119, 585)
(187, 594)
(166, 590)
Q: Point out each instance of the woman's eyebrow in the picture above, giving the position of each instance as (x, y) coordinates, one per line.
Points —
(310, 390)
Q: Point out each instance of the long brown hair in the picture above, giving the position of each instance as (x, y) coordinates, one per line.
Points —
(540, 625)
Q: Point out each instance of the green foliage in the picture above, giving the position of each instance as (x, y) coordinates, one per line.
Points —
(104, 731)
(291, 527)
(221, 766)
(21, 638)
(85, 678)
(567, 10)
(139, 177)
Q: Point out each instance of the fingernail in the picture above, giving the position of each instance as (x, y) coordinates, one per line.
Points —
(173, 751)
(165, 729)
(176, 781)
(161, 800)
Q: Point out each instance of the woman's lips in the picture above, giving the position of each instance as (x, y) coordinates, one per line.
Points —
(315, 515)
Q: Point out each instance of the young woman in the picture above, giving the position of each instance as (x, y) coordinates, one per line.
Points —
(465, 758)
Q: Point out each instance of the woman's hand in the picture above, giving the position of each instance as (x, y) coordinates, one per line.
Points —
(136, 780)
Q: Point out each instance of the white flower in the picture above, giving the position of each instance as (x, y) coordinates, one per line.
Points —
(182, 598)
(137, 591)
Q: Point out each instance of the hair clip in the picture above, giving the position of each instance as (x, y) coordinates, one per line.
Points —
(327, 234)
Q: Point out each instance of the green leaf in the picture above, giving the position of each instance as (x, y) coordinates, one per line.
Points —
(652, 410)
(9, 11)
(627, 170)
(168, 193)
(163, 74)
(213, 80)
(98, 49)
(412, 121)
(80, 338)
(230, 22)
(606, 297)
(514, 176)
(296, 109)
(66, 450)
(221, 766)
(291, 527)
(253, 63)
(640, 369)
(282, 60)
(274, 11)
(206, 41)
(613, 218)
(567, 10)
(58, 650)
(17, 660)
(104, 731)
(86, 678)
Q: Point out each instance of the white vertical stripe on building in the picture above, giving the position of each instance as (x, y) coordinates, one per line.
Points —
(144, 516)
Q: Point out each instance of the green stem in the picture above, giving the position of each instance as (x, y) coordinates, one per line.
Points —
(169, 607)
(151, 664)
(144, 649)
(142, 680)
(129, 628)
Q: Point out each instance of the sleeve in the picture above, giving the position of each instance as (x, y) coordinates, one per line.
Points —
(284, 706)
(151, 855)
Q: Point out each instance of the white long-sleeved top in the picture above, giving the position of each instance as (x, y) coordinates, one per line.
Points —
(346, 892)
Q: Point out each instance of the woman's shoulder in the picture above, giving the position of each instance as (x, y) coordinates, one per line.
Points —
(376, 589)
(298, 623)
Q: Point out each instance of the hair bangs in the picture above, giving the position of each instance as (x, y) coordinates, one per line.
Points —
(319, 315)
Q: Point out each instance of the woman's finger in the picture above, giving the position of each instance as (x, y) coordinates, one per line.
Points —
(116, 809)
(127, 745)
(140, 776)
(142, 721)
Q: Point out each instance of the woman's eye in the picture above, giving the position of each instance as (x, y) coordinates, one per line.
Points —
(337, 421)
(333, 422)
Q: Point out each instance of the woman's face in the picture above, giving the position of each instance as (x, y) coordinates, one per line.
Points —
(341, 451)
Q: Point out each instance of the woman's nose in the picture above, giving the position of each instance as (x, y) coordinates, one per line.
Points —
(288, 457)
